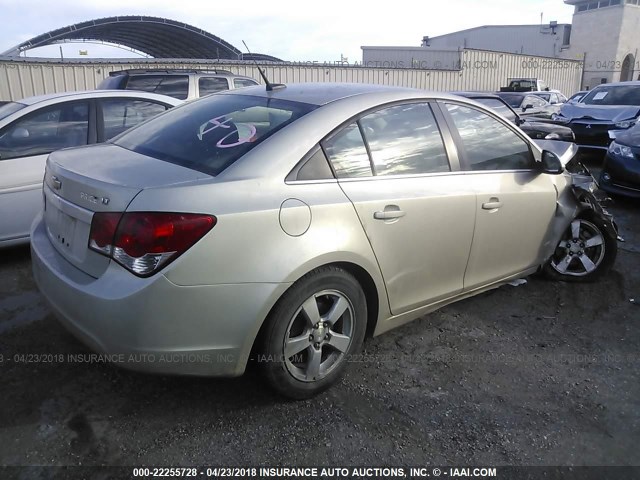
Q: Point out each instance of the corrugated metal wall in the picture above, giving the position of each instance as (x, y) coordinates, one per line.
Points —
(479, 70)
(411, 57)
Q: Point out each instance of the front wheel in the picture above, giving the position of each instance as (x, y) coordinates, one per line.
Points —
(317, 324)
(585, 252)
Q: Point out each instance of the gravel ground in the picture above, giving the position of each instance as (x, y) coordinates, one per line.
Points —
(540, 374)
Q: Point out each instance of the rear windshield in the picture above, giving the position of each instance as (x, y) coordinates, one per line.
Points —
(212, 133)
(9, 108)
(613, 95)
(513, 100)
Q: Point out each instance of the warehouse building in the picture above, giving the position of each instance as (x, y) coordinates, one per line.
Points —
(604, 34)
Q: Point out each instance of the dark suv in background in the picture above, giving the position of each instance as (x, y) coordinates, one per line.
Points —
(179, 83)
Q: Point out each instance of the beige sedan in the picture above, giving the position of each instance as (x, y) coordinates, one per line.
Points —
(283, 224)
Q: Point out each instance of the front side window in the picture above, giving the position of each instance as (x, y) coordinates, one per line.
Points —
(176, 86)
(208, 85)
(489, 144)
(46, 130)
(347, 153)
(534, 100)
(212, 133)
(120, 114)
(405, 140)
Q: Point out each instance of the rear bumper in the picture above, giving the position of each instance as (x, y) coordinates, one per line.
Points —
(152, 324)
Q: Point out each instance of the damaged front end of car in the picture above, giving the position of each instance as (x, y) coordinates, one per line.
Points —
(582, 242)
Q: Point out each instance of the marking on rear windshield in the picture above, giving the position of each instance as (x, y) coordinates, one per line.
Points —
(246, 132)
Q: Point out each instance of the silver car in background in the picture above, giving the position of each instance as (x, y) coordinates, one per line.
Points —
(33, 127)
(289, 222)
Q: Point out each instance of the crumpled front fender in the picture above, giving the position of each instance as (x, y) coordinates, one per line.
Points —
(574, 202)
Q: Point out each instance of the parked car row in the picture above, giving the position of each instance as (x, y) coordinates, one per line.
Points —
(34, 127)
(535, 128)
(605, 119)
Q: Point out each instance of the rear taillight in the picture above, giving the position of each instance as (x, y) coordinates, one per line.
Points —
(144, 242)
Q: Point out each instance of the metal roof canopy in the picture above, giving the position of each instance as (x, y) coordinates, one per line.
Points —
(157, 37)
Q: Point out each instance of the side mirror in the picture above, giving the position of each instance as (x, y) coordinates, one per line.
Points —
(550, 163)
(527, 107)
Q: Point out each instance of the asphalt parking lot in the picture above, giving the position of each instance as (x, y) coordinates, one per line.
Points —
(539, 374)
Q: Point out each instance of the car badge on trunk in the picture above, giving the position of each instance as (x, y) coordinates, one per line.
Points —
(94, 199)
(57, 184)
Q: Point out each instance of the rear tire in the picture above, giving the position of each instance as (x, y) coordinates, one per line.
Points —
(585, 253)
(312, 331)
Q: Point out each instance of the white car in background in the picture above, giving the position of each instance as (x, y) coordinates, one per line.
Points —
(32, 128)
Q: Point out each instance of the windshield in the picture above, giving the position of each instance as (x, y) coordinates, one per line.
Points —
(576, 97)
(613, 95)
(513, 100)
(212, 133)
(9, 108)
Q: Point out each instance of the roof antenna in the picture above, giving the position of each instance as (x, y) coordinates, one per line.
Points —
(270, 86)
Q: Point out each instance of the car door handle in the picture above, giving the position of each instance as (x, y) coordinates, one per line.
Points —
(388, 214)
(493, 204)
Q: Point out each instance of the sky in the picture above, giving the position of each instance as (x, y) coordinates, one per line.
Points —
(292, 30)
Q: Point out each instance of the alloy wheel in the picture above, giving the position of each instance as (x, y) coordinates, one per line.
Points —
(319, 335)
(581, 251)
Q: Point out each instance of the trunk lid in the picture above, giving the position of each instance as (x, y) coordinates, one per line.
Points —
(100, 178)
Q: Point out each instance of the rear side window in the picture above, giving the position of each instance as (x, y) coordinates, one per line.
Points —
(405, 140)
(46, 130)
(212, 133)
(488, 144)
(176, 86)
(243, 82)
(315, 168)
(208, 85)
(112, 82)
(122, 113)
(347, 153)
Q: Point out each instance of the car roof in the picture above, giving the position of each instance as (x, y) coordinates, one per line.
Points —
(176, 71)
(97, 94)
(324, 93)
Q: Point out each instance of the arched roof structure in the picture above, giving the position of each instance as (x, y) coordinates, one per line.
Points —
(154, 36)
